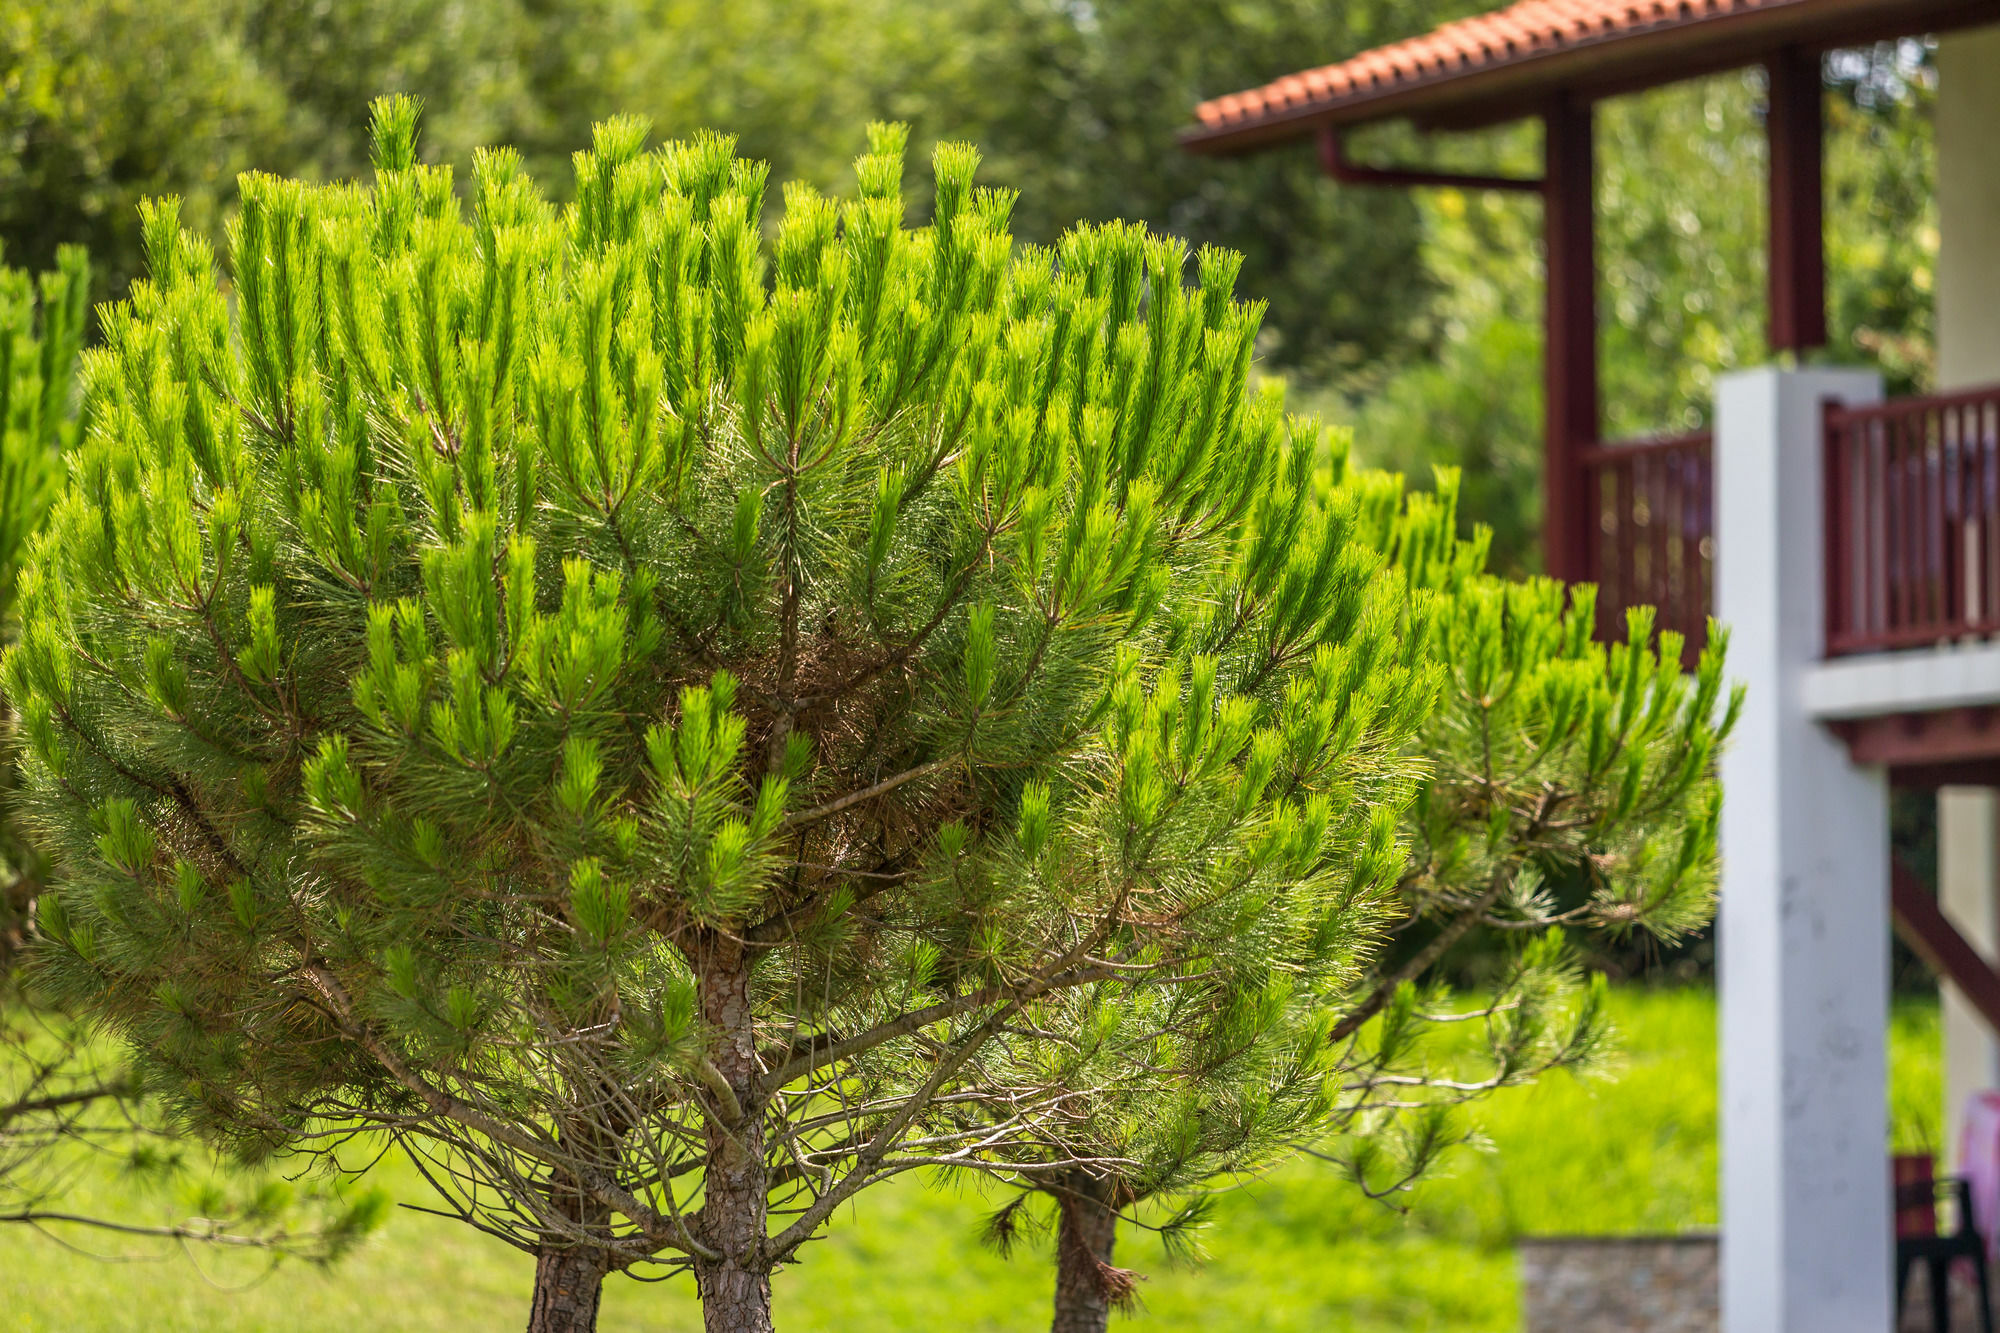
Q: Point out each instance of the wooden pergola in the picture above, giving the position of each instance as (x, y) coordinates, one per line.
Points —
(1553, 60)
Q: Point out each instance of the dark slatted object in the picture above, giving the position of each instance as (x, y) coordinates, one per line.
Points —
(1652, 541)
(1912, 522)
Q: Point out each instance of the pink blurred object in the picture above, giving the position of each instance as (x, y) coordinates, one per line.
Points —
(1979, 1163)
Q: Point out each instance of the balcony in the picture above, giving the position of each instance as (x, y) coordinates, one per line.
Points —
(1912, 522)
(1912, 525)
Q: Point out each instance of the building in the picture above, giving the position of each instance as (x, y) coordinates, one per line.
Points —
(1851, 544)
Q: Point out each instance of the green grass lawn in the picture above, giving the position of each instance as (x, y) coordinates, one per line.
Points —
(1631, 1152)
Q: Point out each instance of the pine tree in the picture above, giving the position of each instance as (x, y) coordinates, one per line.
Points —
(1568, 786)
(41, 332)
(67, 1098)
(662, 723)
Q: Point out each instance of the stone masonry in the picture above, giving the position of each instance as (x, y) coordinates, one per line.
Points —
(1667, 1284)
(1619, 1284)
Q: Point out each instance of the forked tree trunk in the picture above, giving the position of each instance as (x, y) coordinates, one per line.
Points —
(736, 1288)
(1087, 1286)
(568, 1283)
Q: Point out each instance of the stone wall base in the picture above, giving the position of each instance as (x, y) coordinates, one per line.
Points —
(1668, 1284)
(1619, 1284)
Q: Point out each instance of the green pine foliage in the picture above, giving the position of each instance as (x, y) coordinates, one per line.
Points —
(1556, 756)
(41, 332)
(1569, 793)
(83, 1150)
(67, 1097)
(1568, 788)
(672, 724)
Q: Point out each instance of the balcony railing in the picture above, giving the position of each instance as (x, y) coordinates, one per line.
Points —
(1653, 539)
(1912, 522)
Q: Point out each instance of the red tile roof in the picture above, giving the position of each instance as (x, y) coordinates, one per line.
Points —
(1524, 33)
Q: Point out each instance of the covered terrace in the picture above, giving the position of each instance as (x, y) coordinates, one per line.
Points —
(1851, 544)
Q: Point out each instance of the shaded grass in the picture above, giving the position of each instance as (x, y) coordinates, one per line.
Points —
(1634, 1152)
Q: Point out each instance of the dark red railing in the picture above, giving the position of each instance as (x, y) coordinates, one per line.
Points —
(1651, 507)
(1912, 522)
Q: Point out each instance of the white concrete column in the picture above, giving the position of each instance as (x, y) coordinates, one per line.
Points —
(1968, 198)
(1804, 916)
(1968, 886)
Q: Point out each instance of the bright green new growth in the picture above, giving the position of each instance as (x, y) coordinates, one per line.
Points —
(668, 724)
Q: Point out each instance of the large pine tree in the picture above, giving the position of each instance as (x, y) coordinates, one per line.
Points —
(666, 724)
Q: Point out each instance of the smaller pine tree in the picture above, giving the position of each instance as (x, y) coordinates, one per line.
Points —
(663, 722)
(1568, 788)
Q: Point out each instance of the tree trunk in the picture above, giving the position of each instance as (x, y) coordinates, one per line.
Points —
(1087, 1286)
(735, 1289)
(733, 1299)
(568, 1282)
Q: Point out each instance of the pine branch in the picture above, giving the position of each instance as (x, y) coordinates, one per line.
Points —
(1418, 964)
(804, 817)
(441, 1103)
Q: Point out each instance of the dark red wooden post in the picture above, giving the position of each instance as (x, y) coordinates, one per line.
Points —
(1569, 370)
(1794, 125)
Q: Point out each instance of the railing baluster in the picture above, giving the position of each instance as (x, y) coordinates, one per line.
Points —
(1857, 568)
(1937, 528)
(1958, 518)
(1626, 586)
(1653, 590)
(1673, 574)
(1880, 550)
(1882, 474)
(1912, 517)
(1704, 545)
(1836, 540)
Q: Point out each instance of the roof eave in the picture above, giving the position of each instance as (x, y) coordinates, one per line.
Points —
(1601, 66)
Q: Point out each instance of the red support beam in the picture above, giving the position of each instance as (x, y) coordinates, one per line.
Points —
(1569, 354)
(1795, 124)
(1939, 736)
(1932, 937)
(1334, 161)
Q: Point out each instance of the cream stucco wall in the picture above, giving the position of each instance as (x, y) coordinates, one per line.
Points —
(1968, 333)
(1967, 884)
(1968, 192)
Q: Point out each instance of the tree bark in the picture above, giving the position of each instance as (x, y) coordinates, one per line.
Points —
(568, 1282)
(1087, 1286)
(735, 1219)
(734, 1299)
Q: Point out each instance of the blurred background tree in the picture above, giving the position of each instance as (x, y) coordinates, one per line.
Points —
(109, 101)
